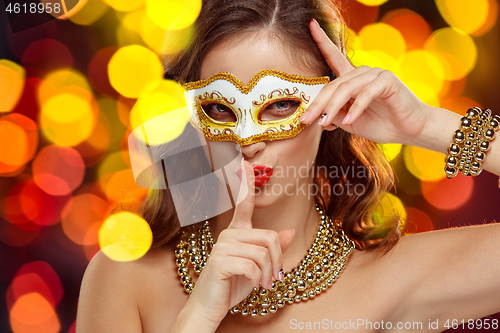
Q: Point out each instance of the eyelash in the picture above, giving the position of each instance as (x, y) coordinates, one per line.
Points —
(212, 110)
(290, 103)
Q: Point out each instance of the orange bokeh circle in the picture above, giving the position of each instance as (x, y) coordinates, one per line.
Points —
(58, 170)
(447, 193)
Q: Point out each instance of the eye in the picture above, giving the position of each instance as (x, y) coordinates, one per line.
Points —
(219, 112)
(282, 105)
(279, 110)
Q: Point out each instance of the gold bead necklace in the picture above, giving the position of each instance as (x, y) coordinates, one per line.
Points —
(319, 269)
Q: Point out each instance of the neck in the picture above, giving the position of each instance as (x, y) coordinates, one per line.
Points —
(291, 212)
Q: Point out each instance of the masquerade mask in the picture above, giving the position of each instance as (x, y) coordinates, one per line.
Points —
(267, 108)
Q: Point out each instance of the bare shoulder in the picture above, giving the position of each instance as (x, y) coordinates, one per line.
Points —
(126, 296)
(419, 248)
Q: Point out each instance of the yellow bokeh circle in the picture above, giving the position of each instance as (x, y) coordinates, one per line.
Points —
(132, 20)
(352, 42)
(162, 110)
(173, 14)
(158, 98)
(372, 2)
(125, 237)
(87, 14)
(164, 41)
(127, 32)
(424, 164)
(67, 119)
(390, 150)
(389, 207)
(11, 84)
(63, 80)
(422, 66)
(124, 5)
(132, 68)
(386, 61)
(425, 93)
(374, 58)
(456, 51)
(152, 34)
(468, 16)
(382, 37)
(362, 58)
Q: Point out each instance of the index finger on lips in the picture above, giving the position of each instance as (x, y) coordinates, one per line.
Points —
(243, 212)
(334, 58)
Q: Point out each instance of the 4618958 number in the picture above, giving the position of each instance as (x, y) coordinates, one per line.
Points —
(33, 8)
(486, 324)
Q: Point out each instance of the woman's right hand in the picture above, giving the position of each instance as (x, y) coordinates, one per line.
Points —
(241, 258)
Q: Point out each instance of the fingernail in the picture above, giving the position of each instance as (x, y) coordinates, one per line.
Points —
(281, 275)
(315, 22)
(270, 285)
(293, 230)
(346, 119)
(322, 119)
(304, 116)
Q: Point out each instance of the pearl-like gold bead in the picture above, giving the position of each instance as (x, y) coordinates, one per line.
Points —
(281, 303)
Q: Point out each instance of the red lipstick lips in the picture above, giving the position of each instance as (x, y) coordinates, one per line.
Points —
(262, 174)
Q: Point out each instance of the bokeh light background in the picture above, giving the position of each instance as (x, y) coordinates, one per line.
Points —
(72, 90)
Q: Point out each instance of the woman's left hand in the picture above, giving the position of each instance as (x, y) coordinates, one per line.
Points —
(382, 108)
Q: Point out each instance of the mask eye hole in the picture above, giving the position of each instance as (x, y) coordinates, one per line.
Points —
(219, 112)
(279, 109)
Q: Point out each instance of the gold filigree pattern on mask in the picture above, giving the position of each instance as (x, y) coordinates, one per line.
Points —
(214, 96)
(245, 89)
(278, 92)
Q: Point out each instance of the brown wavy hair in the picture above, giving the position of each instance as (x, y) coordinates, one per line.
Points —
(287, 21)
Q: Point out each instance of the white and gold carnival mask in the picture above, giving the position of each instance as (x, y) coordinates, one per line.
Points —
(267, 108)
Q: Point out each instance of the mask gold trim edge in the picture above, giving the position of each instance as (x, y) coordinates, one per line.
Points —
(223, 137)
(245, 89)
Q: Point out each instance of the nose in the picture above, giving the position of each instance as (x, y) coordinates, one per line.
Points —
(250, 151)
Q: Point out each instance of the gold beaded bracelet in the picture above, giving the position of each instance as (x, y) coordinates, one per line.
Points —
(470, 143)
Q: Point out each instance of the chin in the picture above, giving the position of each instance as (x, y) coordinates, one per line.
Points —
(263, 199)
(266, 198)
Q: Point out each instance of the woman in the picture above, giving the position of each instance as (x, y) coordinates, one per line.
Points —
(417, 283)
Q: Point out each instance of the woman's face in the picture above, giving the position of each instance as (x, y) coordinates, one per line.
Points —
(292, 159)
